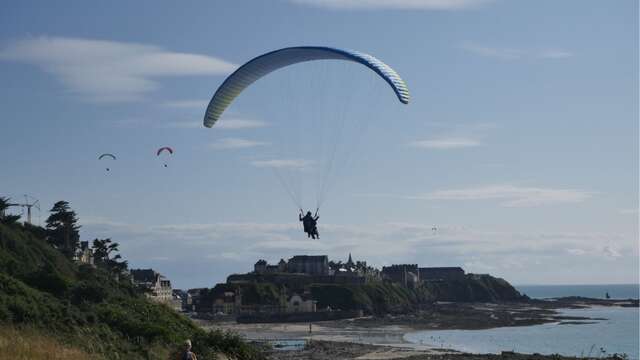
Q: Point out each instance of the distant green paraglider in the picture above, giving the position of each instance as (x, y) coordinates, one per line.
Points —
(107, 156)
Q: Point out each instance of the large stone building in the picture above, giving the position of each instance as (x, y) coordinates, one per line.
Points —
(299, 264)
(406, 274)
(262, 267)
(441, 273)
(226, 299)
(198, 300)
(158, 287)
(309, 264)
(303, 270)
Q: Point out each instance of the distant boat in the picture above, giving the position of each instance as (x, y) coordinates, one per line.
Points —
(607, 295)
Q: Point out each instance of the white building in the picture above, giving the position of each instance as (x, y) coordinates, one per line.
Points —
(298, 303)
(158, 287)
(84, 254)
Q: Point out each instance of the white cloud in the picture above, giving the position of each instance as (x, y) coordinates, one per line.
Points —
(509, 195)
(628, 211)
(233, 124)
(186, 124)
(395, 4)
(236, 143)
(109, 70)
(501, 53)
(577, 252)
(283, 163)
(188, 104)
(554, 54)
(611, 252)
(514, 53)
(444, 143)
(131, 122)
(234, 247)
(160, 258)
(512, 196)
(226, 124)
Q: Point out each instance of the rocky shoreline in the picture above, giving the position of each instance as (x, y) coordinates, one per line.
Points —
(475, 316)
(381, 337)
(343, 351)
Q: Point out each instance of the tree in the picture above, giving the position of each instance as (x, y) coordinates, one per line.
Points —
(102, 250)
(6, 219)
(63, 229)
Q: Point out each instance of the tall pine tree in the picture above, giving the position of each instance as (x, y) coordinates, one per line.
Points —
(102, 251)
(63, 229)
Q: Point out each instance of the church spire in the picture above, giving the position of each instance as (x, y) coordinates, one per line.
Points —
(350, 260)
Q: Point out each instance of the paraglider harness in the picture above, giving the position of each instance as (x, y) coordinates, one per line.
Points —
(310, 224)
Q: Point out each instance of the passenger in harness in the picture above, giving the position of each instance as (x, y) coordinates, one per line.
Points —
(310, 224)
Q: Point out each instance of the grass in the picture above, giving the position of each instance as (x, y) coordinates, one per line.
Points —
(31, 344)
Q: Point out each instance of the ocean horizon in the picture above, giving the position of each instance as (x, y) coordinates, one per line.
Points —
(596, 291)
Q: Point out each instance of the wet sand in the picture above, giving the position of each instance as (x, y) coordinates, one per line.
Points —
(381, 337)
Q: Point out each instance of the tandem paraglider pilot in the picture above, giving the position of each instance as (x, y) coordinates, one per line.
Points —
(310, 224)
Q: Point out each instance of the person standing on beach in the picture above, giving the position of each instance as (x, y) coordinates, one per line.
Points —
(187, 354)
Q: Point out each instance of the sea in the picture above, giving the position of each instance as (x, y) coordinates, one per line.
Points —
(616, 291)
(618, 332)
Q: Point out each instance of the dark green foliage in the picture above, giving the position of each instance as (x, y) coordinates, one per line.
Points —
(376, 297)
(88, 292)
(88, 308)
(5, 202)
(102, 255)
(260, 293)
(478, 288)
(22, 253)
(387, 297)
(63, 229)
(48, 280)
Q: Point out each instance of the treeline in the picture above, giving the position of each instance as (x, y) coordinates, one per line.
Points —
(62, 232)
(94, 308)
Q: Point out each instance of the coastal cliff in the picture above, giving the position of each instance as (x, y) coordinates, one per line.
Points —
(387, 297)
(44, 295)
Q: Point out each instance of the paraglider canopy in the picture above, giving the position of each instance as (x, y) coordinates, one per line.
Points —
(165, 148)
(317, 112)
(264, 64)
(113, 157)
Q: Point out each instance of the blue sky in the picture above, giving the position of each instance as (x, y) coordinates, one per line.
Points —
(520, 142)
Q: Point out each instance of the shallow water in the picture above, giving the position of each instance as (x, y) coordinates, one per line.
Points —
(288, 345)
(618, 334)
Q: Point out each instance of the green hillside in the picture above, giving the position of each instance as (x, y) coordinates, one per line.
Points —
(87, 308)
(387, 297)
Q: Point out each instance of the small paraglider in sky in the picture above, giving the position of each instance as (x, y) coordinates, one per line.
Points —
(107, 156)
(165, 150)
